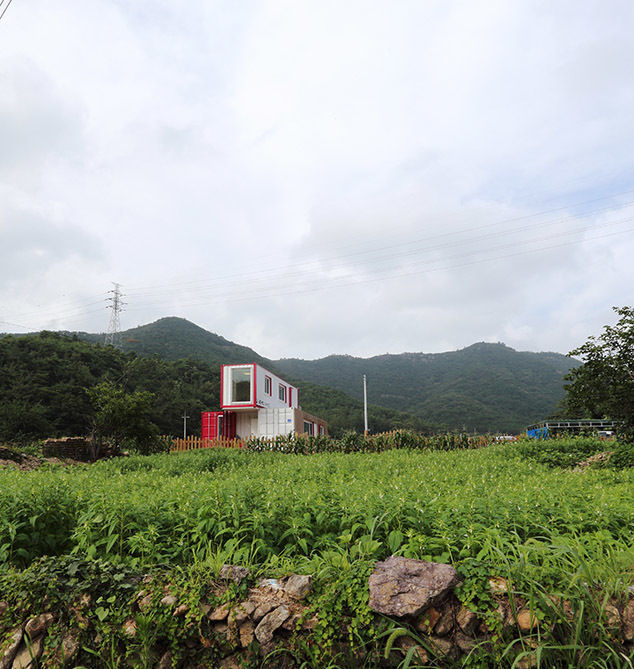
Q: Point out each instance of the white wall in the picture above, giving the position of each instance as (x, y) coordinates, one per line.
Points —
(273, 401)
(272, 422)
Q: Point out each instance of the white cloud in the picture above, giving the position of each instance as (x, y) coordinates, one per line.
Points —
(311, 178)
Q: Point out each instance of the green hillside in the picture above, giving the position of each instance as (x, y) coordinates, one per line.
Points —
(484, 387)
(45, 376)
(175, 339)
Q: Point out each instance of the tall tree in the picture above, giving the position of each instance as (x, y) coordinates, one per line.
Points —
(603, 387)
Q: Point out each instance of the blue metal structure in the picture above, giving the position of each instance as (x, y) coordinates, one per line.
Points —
(548, 428)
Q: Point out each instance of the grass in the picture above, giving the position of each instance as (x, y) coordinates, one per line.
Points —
(507, 510)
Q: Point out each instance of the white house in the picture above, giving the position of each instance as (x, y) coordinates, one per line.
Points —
(256, 402)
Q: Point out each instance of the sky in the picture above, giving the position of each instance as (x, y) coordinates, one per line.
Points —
(313, 177)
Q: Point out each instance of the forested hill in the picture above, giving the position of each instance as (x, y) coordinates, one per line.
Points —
(44, 378)
(484, 387)
(175, 339)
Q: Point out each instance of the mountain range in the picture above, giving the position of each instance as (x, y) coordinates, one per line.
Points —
(485, 387)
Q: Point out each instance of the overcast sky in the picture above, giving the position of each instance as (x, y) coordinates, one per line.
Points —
(315, 177)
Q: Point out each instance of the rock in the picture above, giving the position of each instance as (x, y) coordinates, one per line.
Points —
(38, 625)
(445, 624)
(612, 616)
(180, 610)
(419, 656)
(246, 633)
(441, 647)
(467, 620)
(406, 587)
(229, 572)
(169, 600)
(220, 628)
(129, 628)
(498, 585)
(311, 623)
(464, 642)
(166, 660)
(297, 586)
(527, 661)
(67, 650)
(9, 653)
(290, 623)
(241, 612)
(270, 622)
(220, 613)
(230, 662)
(628, 621)
(428, 620)
(262, 609)
(526, 620)
(28, 655)
(145, 602)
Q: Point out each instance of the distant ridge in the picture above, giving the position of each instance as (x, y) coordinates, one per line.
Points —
(484, 387)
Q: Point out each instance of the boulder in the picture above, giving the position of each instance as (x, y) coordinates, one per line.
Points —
(8, 654)
(29, 654)
(220, 613)
(67, 650)
(38, 625)
(405, 587)
(297, 586)
(230, 572)
(247, 633)
(270, 622)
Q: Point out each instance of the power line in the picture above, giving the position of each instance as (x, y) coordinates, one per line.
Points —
(4, 11)
(279, 271)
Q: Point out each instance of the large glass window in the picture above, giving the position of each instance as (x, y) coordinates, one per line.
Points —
(309, 428)
(241, 384)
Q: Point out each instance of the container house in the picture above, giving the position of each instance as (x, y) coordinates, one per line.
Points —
(256, 402)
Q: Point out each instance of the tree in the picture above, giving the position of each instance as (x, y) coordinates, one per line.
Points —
(603, 386)
(122, 416)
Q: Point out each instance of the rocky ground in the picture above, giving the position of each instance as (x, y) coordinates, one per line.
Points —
(272, 622)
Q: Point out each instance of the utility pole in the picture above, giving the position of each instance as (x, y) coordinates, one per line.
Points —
(116, 304)
(365, 407)
(185, 417)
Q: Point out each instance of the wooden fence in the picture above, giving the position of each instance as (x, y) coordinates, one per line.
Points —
(193, 443)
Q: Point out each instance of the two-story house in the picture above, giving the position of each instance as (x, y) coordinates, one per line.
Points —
(256, 402)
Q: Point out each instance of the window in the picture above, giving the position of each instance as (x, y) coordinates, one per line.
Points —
(268, 385)
(321, 430)
(309, 428)
(241, 384)
(282, 393)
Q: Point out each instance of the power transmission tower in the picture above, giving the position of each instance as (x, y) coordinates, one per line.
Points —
(116, 304)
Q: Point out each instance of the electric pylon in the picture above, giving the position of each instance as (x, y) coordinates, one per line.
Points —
(116, 304)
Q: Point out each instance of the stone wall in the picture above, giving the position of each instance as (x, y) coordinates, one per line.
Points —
(74, 448)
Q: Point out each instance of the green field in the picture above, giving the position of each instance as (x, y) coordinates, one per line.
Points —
(509, 510)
